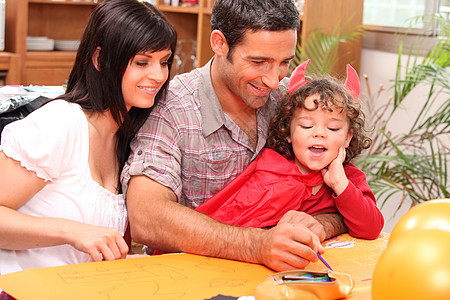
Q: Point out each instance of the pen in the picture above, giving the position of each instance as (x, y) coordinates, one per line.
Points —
(324, 261)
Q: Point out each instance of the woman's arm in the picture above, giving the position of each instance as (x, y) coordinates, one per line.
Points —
(20, 231)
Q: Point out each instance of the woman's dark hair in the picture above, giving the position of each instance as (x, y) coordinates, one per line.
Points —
(122, 29)
(234, 18)
(332, 96)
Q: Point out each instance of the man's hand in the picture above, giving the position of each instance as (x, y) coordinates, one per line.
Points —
(333, 224)
(289, 246)
(301, 218)
(325, 226)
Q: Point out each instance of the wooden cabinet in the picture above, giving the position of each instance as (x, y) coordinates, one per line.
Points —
(66, 20)
(10, 63)
(191, 24)
(326, 15)
(58, 20)
(195, 23)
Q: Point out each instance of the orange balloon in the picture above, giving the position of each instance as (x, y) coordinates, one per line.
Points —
(429, 214)
(415, 266)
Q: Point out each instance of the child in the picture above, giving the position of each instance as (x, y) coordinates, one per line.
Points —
(60, 200)
(306, 167)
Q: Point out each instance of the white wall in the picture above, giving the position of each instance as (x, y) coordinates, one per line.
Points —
(380, 67)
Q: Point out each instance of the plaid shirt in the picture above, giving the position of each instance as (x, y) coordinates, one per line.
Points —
(190, 145)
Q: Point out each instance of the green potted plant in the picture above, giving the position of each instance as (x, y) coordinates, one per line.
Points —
(415, 163)
(322, 48)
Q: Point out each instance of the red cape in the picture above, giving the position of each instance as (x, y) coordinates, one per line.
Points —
(268, 188)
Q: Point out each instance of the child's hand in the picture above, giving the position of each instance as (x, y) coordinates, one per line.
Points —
(334, 176)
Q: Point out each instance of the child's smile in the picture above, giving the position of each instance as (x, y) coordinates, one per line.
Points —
(317, 135)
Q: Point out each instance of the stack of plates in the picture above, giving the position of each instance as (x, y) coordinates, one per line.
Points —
(67, 45)
(40, 43)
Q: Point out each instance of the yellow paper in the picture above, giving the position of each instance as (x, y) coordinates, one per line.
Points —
(170, 276)
(183, 276)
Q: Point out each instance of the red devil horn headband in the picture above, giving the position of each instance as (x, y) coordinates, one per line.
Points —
(352, 82)
(298, 79)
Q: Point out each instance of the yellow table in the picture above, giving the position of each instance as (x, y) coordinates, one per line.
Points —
(183, 276)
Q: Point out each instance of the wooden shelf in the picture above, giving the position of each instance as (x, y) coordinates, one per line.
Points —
(191, 24)
(57, 59)
(63, 2)
(195, 23)
(5, 59)
(66, 20)
(10, 62)
(207, 11)
(59, 20)
(179, 9)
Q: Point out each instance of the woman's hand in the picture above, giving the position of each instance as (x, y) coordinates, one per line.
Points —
(101, 243)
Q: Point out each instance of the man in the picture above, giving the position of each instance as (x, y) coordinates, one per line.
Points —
(211, 125)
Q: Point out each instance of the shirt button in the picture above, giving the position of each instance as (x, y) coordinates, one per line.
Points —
(139, 152)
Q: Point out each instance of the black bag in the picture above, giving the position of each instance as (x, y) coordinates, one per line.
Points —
(20, 112)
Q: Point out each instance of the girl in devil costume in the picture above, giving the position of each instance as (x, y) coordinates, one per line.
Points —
(317, 131)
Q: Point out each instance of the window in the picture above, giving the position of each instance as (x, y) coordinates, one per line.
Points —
(393, 13)
(383, 18)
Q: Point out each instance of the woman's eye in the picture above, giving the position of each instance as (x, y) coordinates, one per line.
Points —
(141, 63)
(165, 63)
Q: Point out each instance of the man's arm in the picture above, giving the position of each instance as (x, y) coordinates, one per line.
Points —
(333, 224)
(325, 226)
(158, 221)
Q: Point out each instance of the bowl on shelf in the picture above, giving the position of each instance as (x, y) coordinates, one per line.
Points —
(40, 43)
(67, 45)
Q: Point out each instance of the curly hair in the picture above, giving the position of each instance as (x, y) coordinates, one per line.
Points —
(332, 95)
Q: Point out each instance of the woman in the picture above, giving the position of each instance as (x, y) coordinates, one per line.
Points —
(60, 200)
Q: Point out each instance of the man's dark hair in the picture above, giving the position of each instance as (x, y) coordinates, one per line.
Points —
(234, 18)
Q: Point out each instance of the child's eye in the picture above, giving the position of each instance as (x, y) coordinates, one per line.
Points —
(334, 129)
(306, 126)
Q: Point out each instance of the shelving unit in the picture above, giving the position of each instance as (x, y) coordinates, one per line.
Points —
(195, 23)
(66, 20)
(191, 24)
(10, 63)
(59, 20)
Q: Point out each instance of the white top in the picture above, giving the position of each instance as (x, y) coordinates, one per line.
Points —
(53, 141)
